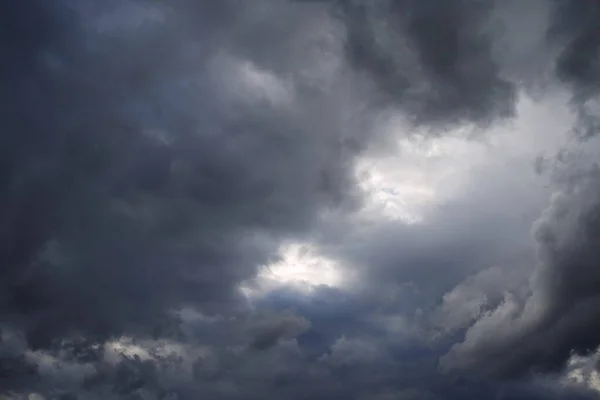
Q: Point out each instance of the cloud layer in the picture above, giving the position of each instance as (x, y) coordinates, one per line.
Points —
(437, 158)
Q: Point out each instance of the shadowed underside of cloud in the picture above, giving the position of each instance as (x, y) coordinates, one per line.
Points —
(433, 59)
(155, 156)
(575, 25)
(579, 63)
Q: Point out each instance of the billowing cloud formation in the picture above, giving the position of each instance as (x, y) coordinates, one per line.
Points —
(558, 318)
(158, 158)
(541, 330)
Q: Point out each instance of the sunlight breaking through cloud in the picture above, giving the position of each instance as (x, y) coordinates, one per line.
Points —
(299, 267)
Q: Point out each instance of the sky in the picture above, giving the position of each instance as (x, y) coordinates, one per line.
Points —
(309, 199)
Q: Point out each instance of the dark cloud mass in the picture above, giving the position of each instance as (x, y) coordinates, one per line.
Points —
(156, 156)
(432, 58)
(130, 187)
(579, 63)
(574, 23)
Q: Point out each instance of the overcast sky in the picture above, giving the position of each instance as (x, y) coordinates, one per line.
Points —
(309, 199)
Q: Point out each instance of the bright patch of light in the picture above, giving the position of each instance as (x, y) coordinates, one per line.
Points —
(299, 266)
(422, 170)
(582, 371)
(422, 173)
(125, 347)
(397, 201)
(154, 350)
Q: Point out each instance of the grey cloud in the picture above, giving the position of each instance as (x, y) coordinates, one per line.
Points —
(285, 327)
(435, 60)
(574, 25)
(133, 157)
(474, 296)
(347, 352)
(557, 319)
(578, 64)
(458, 239)
(183, 371)
(134, 182)
(154, 155)
(464, 61)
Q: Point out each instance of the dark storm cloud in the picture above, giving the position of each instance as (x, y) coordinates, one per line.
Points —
(559, 318)
(432, 59)
(154, 155)
(464, 61)
(148, 162)
(142, 174)
(575, 27)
